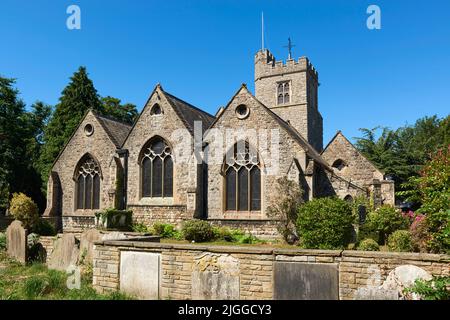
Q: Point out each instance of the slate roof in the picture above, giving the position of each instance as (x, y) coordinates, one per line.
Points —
(116, 130)
(189, 113)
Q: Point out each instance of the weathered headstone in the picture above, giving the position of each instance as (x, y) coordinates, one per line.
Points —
(139, 274)
(215, 277)
(403, 277)
(65, 252)
(305, 281)
(87, 240)
(16, 241)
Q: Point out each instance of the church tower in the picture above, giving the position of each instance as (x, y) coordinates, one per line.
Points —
(290, 90)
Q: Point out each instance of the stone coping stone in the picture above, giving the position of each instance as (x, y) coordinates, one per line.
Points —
(308, 252)
(397, 255)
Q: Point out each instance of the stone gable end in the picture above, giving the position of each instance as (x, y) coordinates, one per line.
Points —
(257, 119)
(172, 129)
(101, 148)
(358, 169)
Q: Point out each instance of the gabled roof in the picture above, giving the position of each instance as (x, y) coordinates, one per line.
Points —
(310, 151)
(189, 113)
(113, 128)
(339, 133)
(116, 130)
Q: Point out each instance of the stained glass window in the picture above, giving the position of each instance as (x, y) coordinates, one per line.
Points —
(157, 169)
(242, 179)
(88, 184)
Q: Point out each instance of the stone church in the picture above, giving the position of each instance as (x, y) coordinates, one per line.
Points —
(178, 162)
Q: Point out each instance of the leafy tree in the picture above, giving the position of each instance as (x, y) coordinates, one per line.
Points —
(77, 97)
(401, 153)
(382, 152)
(285, 209)
(123, 112)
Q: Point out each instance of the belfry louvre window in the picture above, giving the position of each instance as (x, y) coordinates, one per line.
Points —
(242, 179)
(283, 93)
(88, 184)
(157, 169)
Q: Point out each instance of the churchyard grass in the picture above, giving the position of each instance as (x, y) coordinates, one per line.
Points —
(37, 282)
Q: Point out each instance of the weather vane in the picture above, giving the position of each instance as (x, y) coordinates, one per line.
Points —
(289, 46)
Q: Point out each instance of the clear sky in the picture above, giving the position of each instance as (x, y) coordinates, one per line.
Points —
(201, 51)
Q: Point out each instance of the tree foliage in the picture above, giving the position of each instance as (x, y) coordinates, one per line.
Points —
(401, 153)
(432, 189)
(77, 97)
(123, 112)
(20, 144)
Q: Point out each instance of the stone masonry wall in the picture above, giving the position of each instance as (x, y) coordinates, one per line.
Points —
(357, 270)
(148, 215)
(273, 167)
(99, 146)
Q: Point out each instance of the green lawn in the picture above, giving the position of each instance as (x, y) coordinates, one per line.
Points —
(37, 282)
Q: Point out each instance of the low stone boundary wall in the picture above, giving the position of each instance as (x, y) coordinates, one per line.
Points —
(191, 271)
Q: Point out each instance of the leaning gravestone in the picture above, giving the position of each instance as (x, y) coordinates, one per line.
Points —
(65, 253)
(87, 240)
(16, 241)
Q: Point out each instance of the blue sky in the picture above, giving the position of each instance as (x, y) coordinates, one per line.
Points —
(201, 51)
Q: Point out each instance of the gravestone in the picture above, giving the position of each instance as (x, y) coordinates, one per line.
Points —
(65, 253)
(215, 277)
(16, 241)
(87, 240)
(305, 281)
(139, 274)
(404, 277)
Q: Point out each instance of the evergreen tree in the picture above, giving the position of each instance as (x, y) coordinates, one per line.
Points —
(123, 112)
(77, 97)
(19, 145)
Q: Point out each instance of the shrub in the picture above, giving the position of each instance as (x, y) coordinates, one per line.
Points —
(114, 219)
(285, 208)
(431, 188)
(2, 241)
(325, 223)
(420, 236)
(385, 220)
(24, 209)
(434, 289)
(140, 227)
(400, 240)
(223, 233)
(165, 230)
(44, 227)
(368, 245)
(198, 231)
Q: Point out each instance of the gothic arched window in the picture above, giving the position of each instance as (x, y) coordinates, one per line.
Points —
(242, 179)
(157, 169)
(88, 184)
(283, 93)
